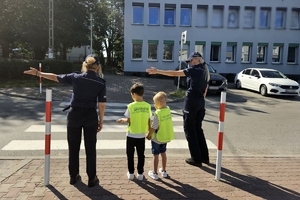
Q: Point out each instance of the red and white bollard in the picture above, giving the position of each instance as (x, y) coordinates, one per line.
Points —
(47, 136)
(220, 135)
(40, 68)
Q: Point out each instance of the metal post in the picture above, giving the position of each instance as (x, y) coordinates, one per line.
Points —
(182, 41)
(91, 33)
(47, 136)
(180, 60)
(220, 135)
(51, 30)
(40, 68)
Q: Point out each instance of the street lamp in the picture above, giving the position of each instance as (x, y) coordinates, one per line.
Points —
(91, 33)
(51, 30)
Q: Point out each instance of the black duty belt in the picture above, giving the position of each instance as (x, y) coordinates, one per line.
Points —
(188, 94)
(82, 108)
(66, 108)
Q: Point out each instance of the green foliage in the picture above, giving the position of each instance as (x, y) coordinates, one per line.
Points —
(178, 93)
(24, 24)
(12, 69)
(33, 82)
(109, 30)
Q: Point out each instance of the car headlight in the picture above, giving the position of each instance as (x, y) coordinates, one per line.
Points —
(224, 82)
(275, 84)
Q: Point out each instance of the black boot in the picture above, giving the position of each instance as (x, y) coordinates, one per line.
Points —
(93, 182)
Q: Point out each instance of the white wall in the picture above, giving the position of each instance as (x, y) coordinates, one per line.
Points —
(209, 34)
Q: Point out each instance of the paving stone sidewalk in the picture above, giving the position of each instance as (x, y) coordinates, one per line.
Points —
(241, 178)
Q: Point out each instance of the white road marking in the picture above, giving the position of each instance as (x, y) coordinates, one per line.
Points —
(18, 145)
(106, 118)
(108, 110)
(108, 128)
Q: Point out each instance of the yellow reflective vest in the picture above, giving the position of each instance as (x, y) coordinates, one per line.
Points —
(140, 113)
(165, 131)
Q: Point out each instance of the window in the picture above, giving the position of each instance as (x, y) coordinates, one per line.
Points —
(153, 14)
(295, 19)
(264, 18)
(199, 47)
(217, 17)
(280, 18)
(169, 14)
(249, 17)
(231, 51)
(261, 56)
(246, 52)
(233, 17)
(168, 50)
(254, 73)
(137, 49)
(138, 13)
(185, 15)
(201, 19)
(292, 53)
(215, 51)
(152, 49)
(277, 53)
(247, 71)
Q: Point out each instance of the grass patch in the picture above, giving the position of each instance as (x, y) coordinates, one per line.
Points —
(27, 83)
(178, 93)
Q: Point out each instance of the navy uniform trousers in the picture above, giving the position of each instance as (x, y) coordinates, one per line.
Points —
(193, 115)
(85, 119)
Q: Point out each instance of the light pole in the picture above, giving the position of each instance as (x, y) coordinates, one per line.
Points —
(183, 40)
(91, 33)
(51, 30)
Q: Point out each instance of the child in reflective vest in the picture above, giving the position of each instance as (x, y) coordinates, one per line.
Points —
(160, 133)
(137, 116)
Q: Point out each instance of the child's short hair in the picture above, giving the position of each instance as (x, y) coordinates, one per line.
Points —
(138, 89)
(160, 97)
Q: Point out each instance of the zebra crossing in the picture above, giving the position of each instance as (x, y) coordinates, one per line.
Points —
(112, 136)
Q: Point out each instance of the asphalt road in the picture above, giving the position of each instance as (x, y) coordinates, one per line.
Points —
(254, 125)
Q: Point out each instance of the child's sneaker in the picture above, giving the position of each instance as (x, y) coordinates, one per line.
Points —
(130, 176)
(153, 175)
(163, 173)
(140, 177)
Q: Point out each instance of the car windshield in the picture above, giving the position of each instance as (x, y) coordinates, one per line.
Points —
(272, 74)
(211, 69)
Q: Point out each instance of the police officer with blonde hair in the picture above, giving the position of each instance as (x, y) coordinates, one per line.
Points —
(89, 93)
(194, 106)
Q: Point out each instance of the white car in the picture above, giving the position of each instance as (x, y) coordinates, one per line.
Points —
(266, 81)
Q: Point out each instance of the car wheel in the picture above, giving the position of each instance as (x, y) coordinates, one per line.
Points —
(238, 84)
(263, 90)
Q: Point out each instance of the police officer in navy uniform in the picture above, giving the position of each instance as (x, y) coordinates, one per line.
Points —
(89, 93)
(194, 106)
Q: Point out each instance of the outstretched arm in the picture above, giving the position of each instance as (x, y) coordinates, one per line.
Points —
(153, 70)
(35, 72)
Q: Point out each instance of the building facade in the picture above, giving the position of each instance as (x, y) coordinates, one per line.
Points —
(78, 53)
(231, 35)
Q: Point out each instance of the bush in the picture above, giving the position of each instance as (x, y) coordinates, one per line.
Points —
(14, 68)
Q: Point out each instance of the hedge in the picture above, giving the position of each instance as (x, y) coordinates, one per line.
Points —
(13, 68)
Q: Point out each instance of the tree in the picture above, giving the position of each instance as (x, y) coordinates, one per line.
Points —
(71, 24)
(7, 27)
(27, 22)
(108, 29)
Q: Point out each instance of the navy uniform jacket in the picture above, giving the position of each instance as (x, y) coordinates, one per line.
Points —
(88, 88)
(197, 80)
